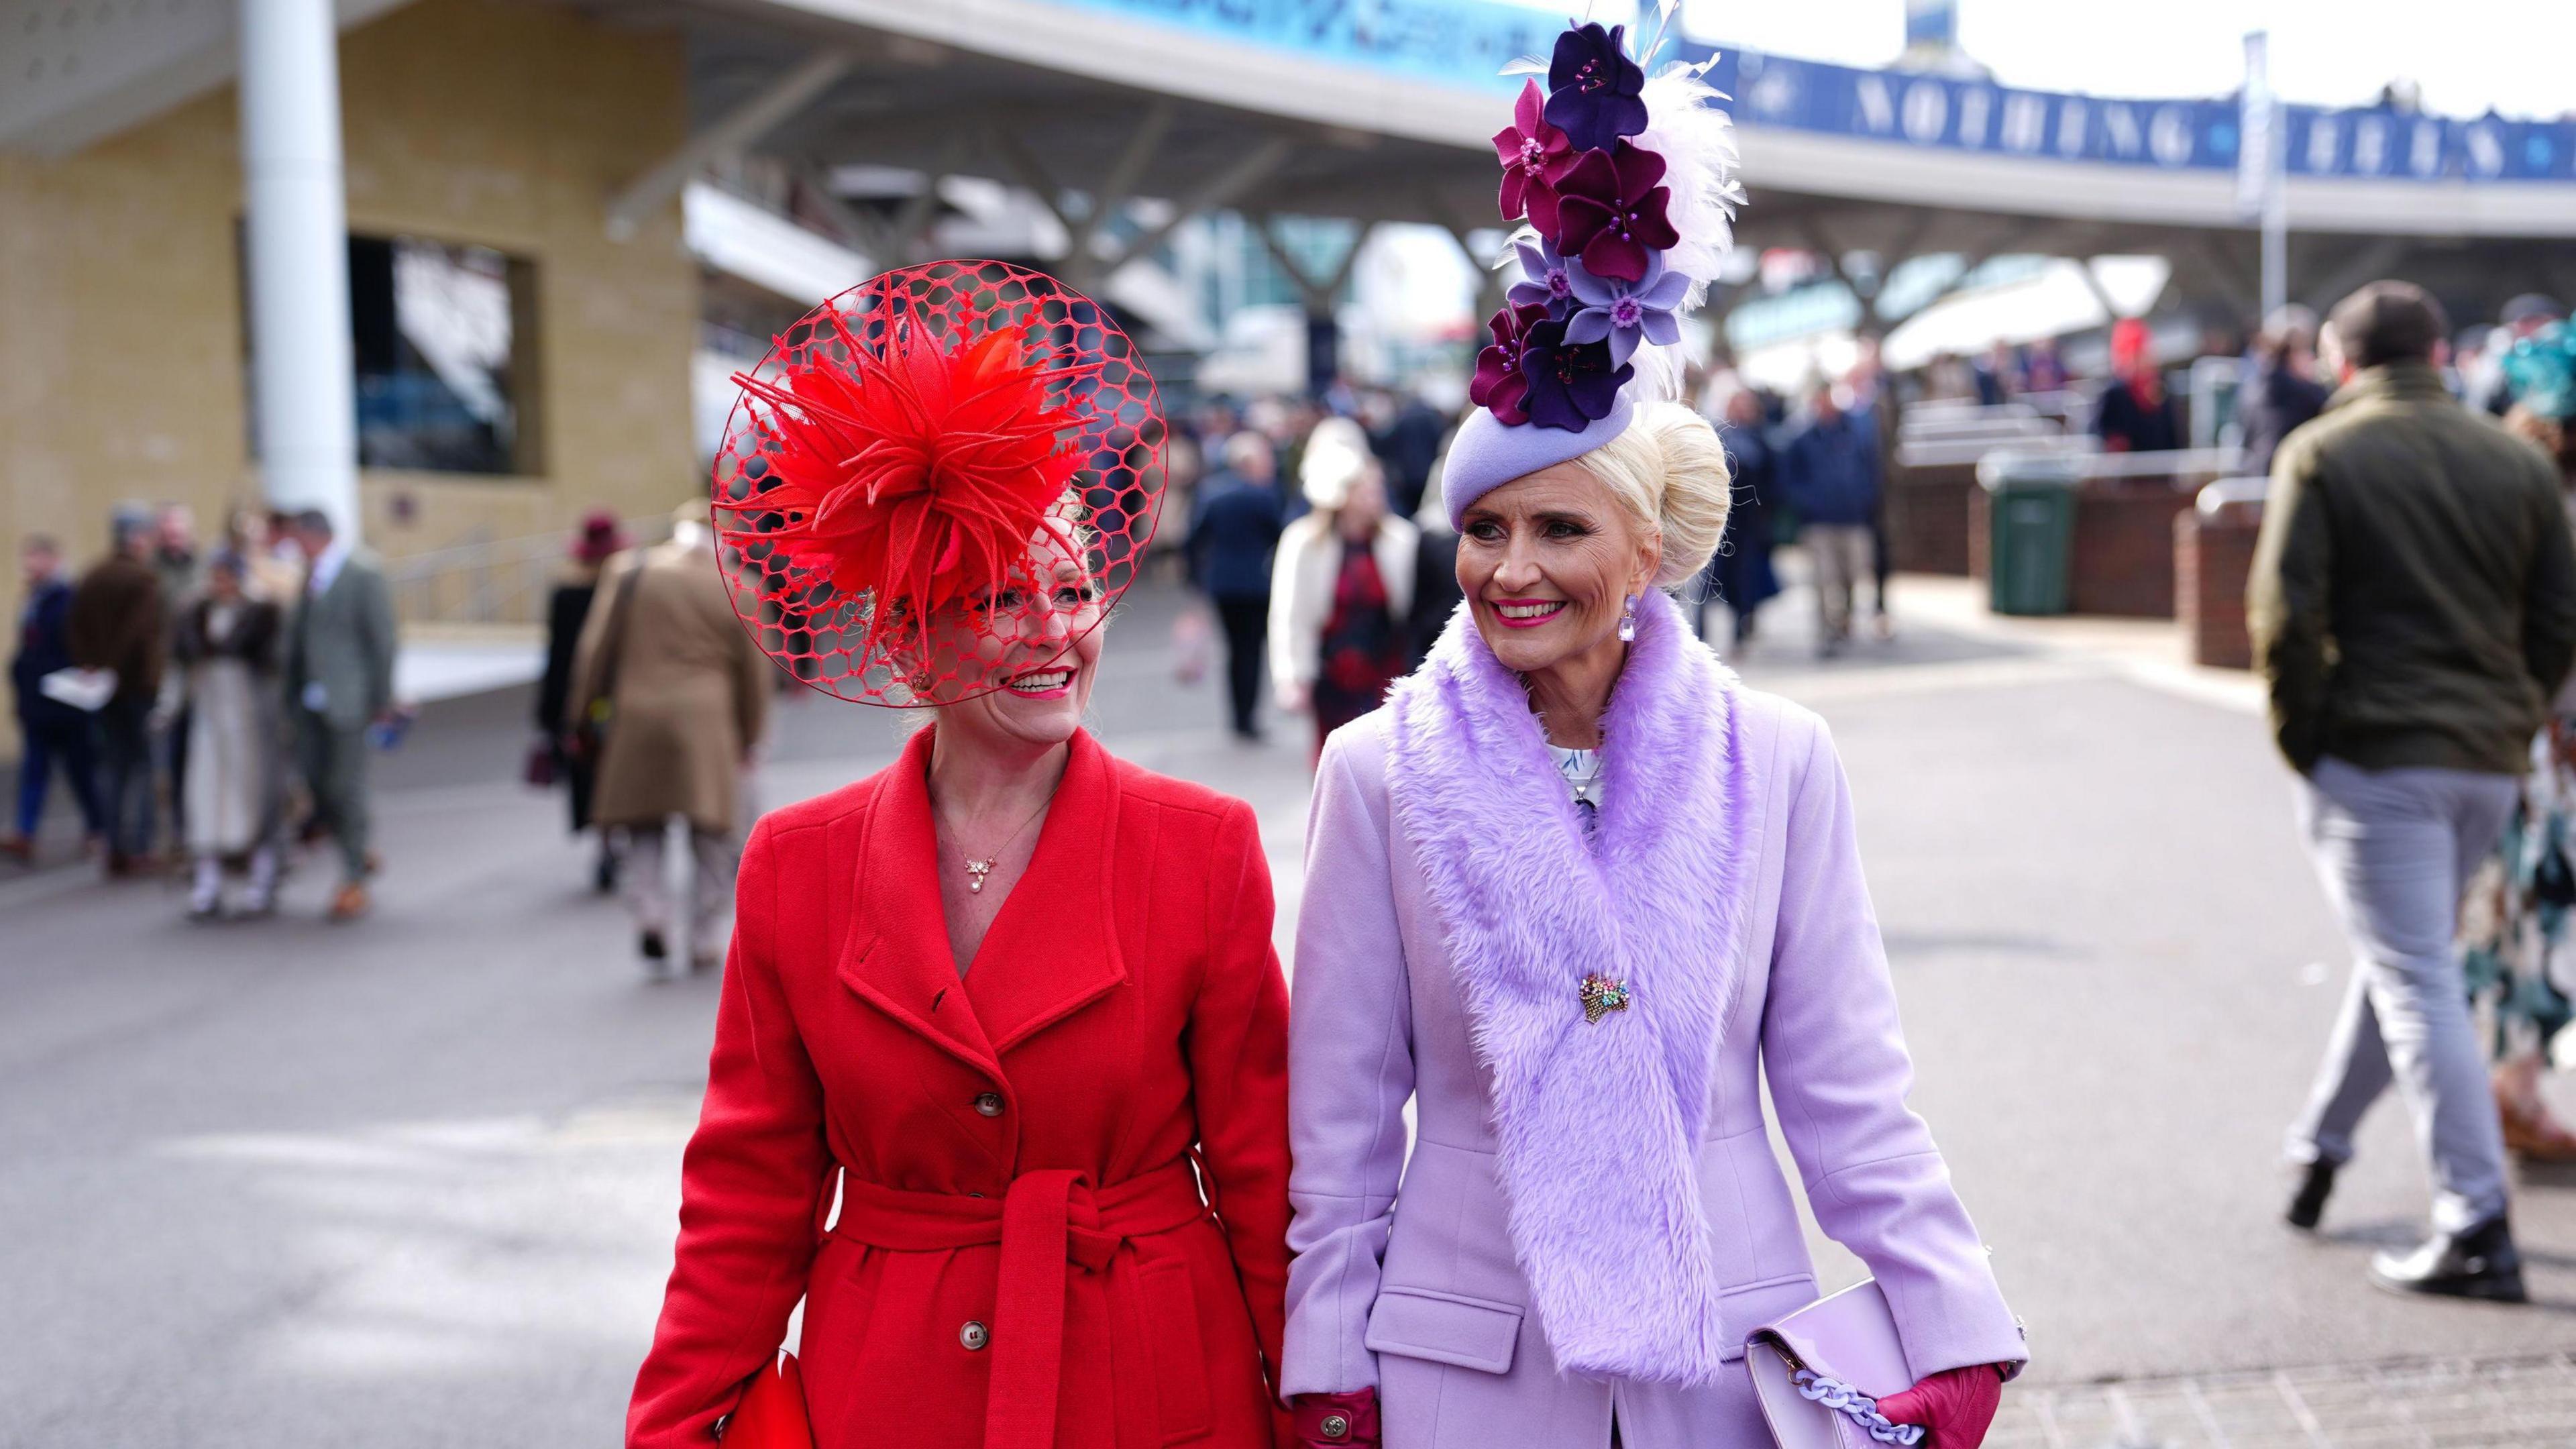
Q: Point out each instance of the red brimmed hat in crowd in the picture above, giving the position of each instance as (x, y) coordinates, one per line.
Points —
(600, 536)
(940, 478)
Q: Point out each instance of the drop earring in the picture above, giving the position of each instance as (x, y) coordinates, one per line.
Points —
(1628, 619)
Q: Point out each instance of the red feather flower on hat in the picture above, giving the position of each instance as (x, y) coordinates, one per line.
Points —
(919, 473)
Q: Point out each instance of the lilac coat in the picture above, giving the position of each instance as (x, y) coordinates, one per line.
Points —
(1592, 1215)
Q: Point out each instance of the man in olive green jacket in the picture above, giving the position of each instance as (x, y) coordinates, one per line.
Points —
(2413, 606)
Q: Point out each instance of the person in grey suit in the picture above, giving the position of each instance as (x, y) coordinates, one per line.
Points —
(339, 681)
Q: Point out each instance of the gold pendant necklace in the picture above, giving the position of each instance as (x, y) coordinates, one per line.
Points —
(977, 869)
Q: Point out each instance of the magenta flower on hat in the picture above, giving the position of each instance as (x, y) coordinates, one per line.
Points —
(1498, 387)
(1595, 92)
(1612, 211)
(1547, 282)
(1626, 313)
(1570, 385)
(1532, 153)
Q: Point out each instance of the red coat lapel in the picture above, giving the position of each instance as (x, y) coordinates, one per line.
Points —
(898, 956)
(1051, 951)
(1054, 948)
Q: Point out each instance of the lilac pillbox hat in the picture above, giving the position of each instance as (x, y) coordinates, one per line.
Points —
(1487, 454)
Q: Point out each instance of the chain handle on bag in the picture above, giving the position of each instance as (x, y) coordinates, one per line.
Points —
(1860, 1408)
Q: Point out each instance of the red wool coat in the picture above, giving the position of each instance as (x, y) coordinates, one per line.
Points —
(1020, 1228)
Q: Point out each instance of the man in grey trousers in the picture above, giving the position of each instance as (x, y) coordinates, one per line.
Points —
(2413, 606)
(340, 681)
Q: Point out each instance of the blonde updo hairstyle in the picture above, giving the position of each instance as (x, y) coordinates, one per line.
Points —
(1669, 472)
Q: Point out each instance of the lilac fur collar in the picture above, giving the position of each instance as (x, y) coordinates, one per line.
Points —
(1598, 1125)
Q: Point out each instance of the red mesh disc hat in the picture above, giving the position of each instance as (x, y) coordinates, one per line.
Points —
(937, 480)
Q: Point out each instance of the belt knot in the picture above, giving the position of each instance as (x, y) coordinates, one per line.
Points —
(1051, 1221)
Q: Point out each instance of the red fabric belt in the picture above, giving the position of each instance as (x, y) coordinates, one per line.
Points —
(1050, 1222)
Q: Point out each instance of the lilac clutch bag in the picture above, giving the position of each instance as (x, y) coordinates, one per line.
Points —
(1820, 1372)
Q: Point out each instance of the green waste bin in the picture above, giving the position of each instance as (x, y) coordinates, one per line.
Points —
(2030, 529)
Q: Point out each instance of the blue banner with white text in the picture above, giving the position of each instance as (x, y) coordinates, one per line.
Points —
(1468, 42)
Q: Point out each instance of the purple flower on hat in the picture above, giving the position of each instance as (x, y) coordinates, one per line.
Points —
(1595, 92)
(1533, 153)
(1498, 386)
(1625, 313)
(1546, 280)
(1613, 212)
(1570, 385)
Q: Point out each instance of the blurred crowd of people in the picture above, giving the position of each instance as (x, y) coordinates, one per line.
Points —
(1317, 539)
(207, 707)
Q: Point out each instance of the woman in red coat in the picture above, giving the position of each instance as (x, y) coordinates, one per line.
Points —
(999, 1082)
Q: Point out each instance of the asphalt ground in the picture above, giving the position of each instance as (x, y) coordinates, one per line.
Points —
(413, 1181)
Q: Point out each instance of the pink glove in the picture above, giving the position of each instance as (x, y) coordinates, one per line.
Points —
(1337, 1421)
(1954, 1406)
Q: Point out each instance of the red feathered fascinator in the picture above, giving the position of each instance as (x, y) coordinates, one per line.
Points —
(937, 480)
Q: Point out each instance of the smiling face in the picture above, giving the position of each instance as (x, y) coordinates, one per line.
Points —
(1546, 562)
(1044, 653)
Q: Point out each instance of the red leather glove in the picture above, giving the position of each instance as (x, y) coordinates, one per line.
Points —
(1345, 1420)
(1954, 1406)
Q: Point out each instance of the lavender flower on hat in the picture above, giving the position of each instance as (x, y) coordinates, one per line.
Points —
(1595, 92)
(1570, 385)
(1626, 313)
(1546, 280)
(1612, 210)
(1533, 153)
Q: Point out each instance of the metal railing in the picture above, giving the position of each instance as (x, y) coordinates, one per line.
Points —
(2179, 464)
(2091, 460)
(2232, 493)
(498, 581)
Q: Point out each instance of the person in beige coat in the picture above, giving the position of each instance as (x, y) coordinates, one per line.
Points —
(677, 693)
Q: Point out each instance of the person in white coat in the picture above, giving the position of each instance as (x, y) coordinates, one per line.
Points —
(228, 647)
(1341, 586)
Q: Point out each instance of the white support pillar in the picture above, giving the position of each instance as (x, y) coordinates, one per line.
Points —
(303, 374)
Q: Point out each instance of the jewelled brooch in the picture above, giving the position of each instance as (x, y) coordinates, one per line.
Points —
(1603, 995)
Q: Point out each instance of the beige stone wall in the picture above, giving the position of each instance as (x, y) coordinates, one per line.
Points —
(495, 122)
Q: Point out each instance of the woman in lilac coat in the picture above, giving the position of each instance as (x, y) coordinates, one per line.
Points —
(1570, 892)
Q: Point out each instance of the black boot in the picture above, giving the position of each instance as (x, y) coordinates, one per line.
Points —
(2478, 1263)
(2309, 1202)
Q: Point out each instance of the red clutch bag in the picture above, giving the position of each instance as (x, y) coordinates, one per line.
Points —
(772, 1412)
(540, 767)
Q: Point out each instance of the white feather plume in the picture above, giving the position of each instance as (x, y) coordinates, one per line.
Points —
(1663, 371)
(1697, 141)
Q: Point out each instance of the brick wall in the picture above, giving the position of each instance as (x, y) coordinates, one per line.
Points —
(2212, 556)
(2124, 549)
(1927, 518)
(2124, 546)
